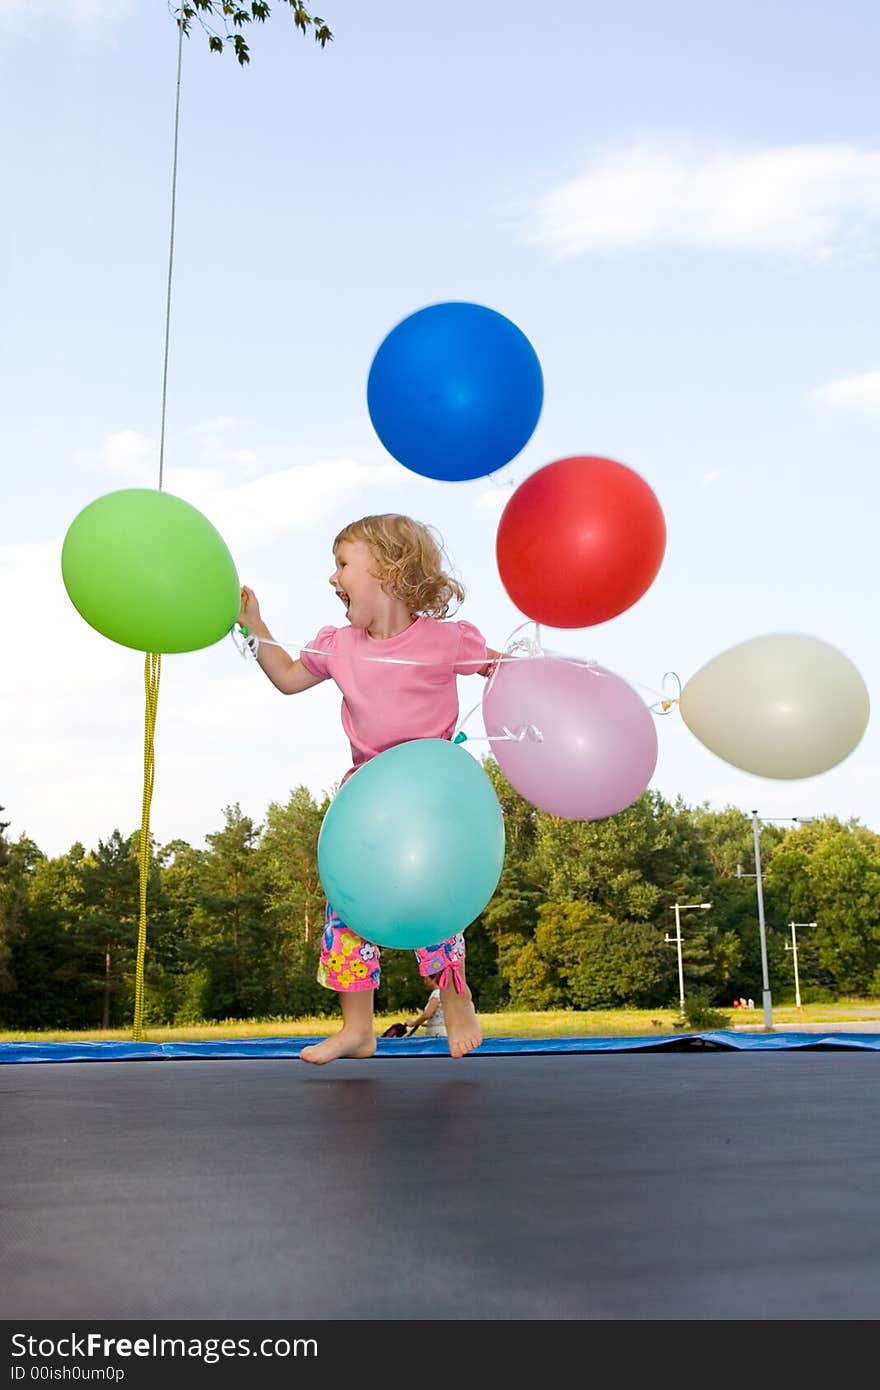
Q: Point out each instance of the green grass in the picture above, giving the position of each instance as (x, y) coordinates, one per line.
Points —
(597, 1023)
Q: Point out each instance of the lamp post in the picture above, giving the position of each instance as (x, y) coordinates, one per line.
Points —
(793, 949)
(765, 976)
(678, 908)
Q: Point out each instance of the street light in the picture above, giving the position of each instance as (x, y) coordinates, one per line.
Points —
(765, 977)
(678, 908)
(793, 949)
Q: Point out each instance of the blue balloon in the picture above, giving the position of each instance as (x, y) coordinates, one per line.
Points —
(412, 846)
(455, 391)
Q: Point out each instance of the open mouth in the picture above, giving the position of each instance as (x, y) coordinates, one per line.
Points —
(343, 598)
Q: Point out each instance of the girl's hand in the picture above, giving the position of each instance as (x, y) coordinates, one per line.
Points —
(249, 612)
(494, 658)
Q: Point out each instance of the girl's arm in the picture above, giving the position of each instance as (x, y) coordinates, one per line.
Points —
(427, 1012)
(286, 674)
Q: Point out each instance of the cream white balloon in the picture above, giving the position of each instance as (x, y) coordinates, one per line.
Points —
(782, 706)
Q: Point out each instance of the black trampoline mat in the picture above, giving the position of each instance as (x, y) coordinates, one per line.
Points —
(597, 1186)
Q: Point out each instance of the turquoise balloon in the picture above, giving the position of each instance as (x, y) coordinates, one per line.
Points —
(412, 847)
(149, 571)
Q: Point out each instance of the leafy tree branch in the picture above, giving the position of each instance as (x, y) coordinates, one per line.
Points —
(224, 22)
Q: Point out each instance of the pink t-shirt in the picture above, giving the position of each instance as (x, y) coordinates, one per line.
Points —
(383, 703)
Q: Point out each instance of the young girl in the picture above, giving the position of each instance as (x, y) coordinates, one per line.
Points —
(396, 665)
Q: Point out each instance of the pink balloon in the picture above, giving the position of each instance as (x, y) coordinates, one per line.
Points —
(590, 746)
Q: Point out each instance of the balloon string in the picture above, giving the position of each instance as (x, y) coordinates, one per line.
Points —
(528, 645)
(170, 257)
(152, 671)
(153, 661)
(515, 649)
(249, 645)
(665, 700)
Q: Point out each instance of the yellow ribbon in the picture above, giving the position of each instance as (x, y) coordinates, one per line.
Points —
(152, 670)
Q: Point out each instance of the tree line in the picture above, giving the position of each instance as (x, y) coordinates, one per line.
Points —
(578, 921)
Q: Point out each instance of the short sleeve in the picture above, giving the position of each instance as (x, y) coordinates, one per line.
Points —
(316, 656)
(471, 653)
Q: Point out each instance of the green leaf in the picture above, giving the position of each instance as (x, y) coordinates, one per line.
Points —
(235, 14)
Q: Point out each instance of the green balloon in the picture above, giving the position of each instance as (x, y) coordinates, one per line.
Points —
(149, 571)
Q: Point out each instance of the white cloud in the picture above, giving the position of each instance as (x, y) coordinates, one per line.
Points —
(852, 393)
(126, 455)
(247, 507)
(135, 458)
(276, 504)
(808, 200)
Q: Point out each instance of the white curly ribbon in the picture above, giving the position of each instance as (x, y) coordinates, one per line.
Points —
(525, 648)
(517, 648)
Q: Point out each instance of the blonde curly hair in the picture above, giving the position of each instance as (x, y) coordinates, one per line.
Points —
(408, 561)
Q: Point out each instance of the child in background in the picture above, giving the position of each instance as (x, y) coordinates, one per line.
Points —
(395, 662)
(431, 1018)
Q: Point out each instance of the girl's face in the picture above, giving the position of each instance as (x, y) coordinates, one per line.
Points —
(355, 584)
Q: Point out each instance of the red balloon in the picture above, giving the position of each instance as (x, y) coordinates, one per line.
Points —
(580, 541)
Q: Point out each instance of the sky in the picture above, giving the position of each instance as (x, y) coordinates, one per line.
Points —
(679, 205)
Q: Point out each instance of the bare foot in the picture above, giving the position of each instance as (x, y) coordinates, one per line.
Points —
(346, 1043)
(462, 1025)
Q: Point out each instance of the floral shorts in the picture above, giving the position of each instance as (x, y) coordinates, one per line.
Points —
(350, 963)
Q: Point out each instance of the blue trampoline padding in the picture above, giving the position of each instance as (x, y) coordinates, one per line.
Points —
(97, 1051)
